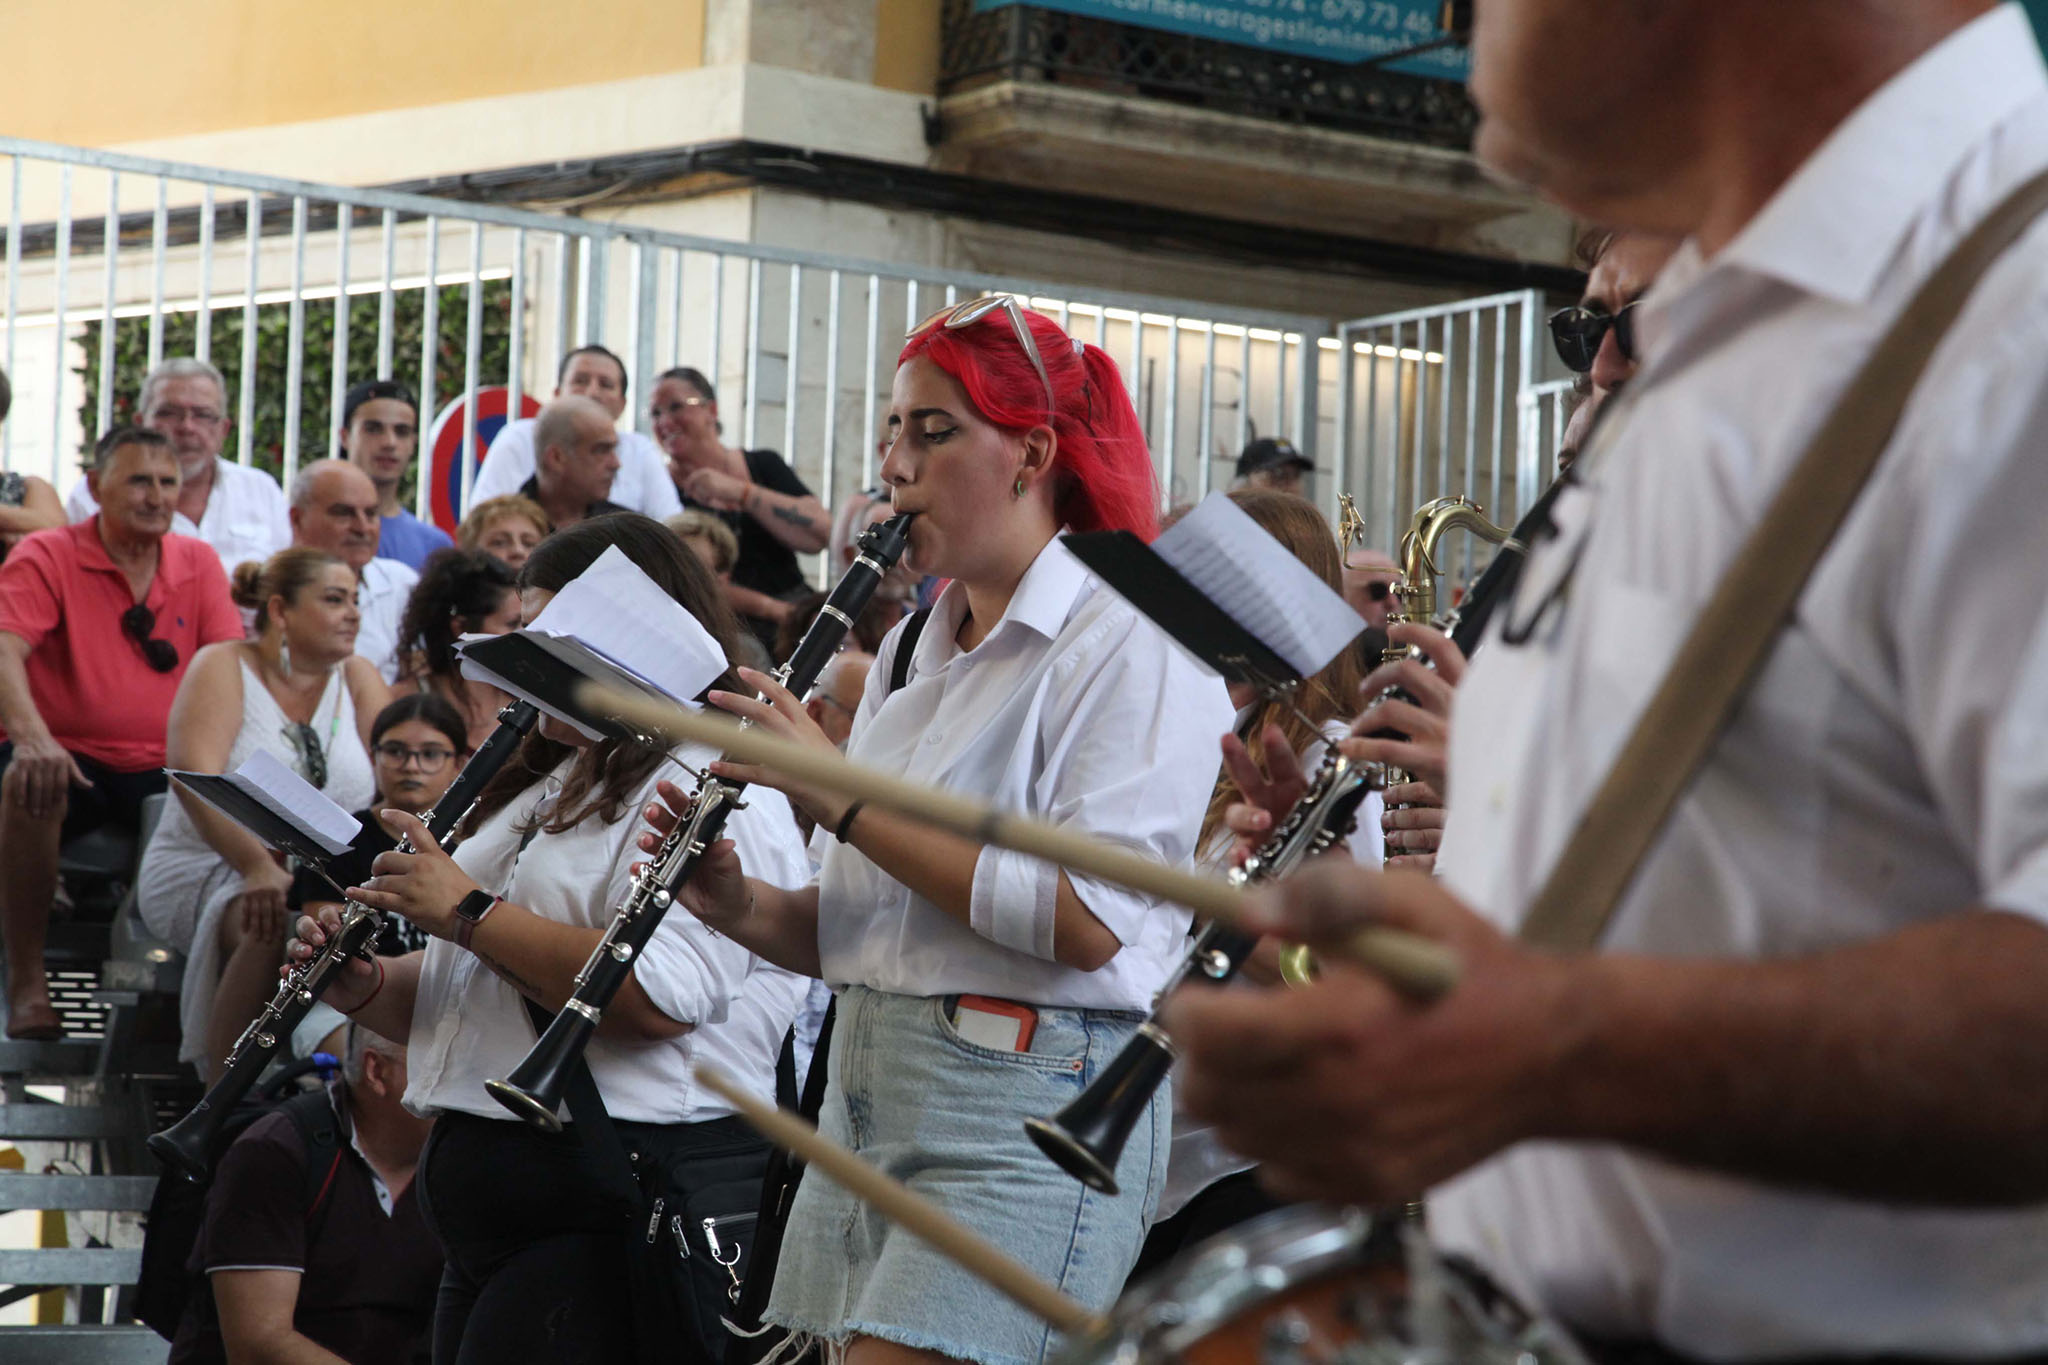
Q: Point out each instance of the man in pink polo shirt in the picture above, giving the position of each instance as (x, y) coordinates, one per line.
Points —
(98, 621)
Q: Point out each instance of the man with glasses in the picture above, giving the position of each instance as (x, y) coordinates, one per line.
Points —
(238, 510)
(98, 622)
(1596, 338)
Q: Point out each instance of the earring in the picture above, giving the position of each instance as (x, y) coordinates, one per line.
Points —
(1019, 490)
(284, 657)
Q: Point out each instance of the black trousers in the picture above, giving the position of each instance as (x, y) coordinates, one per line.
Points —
(534, 1230)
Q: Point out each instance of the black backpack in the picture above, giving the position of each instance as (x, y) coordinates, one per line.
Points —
(177, 1211)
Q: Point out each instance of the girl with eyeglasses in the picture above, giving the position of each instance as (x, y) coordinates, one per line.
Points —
(977, 988)
(298, 691)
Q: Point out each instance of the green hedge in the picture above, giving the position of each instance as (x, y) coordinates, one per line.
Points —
(181, 332)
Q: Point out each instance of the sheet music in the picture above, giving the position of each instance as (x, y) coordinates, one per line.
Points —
(621, 615)
(1232, 560)
(281, 796)
(477, 671)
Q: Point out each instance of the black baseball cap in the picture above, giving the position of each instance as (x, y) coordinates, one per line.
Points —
(1269, 453)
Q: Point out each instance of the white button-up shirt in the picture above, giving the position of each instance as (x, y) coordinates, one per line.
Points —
(1074, 709)
(386, 588)
(1890, 764)
(642, 483)
(246, 516)
(469, 1026)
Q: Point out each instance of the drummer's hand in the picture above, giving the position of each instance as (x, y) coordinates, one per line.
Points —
(1350, 1092)
(783, 715)
(424, 886)
(357, 977)
(1269, 792)
(1424, 716)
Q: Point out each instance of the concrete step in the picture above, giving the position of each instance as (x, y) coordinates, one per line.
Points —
(64, 1122)
(57, 1061)
(106, 1193)
(89, 1345)
(68, 1266)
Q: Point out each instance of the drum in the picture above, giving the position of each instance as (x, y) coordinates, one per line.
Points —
(1313, 1285)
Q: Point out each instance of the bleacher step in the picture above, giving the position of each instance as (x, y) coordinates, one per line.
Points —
(103, 1193)
(91, 1345)
(68, 1266)
(66, 1058)
(63, 1123)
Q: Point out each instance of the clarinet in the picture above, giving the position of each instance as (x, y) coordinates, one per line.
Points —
(534, 1089)
(184, 1145)
(1086, 1139)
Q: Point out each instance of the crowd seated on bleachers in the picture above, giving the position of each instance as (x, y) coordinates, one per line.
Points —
(98, 625)
(300, 692)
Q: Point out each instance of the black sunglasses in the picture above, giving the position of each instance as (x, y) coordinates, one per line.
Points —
(306, 740)
(1579, 330)
(136, 623)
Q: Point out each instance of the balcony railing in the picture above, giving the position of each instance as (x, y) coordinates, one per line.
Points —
(1024, 43)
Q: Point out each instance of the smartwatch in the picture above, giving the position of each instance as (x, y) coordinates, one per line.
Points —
(470, 912)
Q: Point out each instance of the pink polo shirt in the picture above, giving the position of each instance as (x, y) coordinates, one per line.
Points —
(60, 592)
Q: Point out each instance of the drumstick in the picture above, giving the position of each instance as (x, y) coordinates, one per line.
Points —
(904, 1206)
(1419, 967)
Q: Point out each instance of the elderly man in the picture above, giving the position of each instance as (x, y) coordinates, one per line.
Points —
(98, 622)
(579, 460)
(1797, 1106)
(334, 508)
(237, 510)
(595, 373)
(380, 434)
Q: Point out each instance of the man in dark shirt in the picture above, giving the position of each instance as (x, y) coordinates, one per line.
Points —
(351, 1279)
(579, 457)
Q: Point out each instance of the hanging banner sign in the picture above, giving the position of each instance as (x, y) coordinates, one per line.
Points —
(1335, 30)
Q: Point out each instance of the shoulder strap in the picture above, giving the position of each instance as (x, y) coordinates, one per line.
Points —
(906, 645)
(312, 1113)
(1734, 633)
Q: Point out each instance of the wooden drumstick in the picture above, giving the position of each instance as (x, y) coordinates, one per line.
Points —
(904, 1206)
(1418, 967)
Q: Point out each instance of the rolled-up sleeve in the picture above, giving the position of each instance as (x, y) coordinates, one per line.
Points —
(1128, 730)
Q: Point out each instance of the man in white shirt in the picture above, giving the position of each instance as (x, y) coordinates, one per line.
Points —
(1798, 1106)
(643, 484)
(238, 510)
(334, 508)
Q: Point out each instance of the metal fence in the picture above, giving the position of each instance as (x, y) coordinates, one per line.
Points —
(801, 345)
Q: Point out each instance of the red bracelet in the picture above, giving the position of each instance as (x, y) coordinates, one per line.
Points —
(373, 992)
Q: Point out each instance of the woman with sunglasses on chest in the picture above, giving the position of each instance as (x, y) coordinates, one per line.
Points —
(536, 1225)
(978, 988)
(299, 692)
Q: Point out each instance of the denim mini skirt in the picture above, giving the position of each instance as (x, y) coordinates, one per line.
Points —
(946, 1117)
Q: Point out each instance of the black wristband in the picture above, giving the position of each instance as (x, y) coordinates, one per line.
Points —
(846, 821)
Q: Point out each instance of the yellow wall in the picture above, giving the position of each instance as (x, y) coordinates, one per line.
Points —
(907, 45)
(100, 72)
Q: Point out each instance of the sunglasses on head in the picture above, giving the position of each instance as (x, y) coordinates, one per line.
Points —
(136, 623)
(1578, 331)
(973, 311)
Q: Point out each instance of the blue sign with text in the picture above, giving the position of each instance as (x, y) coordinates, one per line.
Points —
(1335, 30)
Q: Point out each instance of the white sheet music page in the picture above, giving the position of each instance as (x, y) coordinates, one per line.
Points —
(1232, 560)
(285, 794)
(478, 672)
(620, 614)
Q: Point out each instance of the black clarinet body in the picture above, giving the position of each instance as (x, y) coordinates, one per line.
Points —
(184, 1145)
(535, 1088)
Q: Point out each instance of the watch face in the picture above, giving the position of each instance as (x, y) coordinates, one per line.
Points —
(472, 906)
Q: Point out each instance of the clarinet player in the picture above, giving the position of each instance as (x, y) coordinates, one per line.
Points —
(533, 1224)
(978, 988)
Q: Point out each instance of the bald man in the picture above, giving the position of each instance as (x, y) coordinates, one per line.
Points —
(578, 460)
(334, 508)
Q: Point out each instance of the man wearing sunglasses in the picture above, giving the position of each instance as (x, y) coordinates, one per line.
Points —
(98, 621)
(1596, 338)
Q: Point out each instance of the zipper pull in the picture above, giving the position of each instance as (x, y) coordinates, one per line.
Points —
(654, 1220)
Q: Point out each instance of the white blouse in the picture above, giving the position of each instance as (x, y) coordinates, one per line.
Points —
(1074, 709)
(469, 1025)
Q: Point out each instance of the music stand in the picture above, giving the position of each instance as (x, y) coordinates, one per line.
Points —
(548, 670)
(260, 820)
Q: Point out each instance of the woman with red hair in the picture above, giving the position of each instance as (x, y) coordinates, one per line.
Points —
(978, 988)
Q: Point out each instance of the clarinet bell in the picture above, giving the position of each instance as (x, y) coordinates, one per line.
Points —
(534, 1089)
(183, 1146)
(1086, 1139)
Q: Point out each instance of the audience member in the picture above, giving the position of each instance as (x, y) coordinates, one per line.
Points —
(595, 373)
(837, 696)
(1596, 339)
(1369, 579)
(27, 503)
(898, 595)
(380, 434)
(349, 1276)
(1274, 464)
(298, 692)
(710, 539)
(98, 623)
(334, 508)
(579, 461)
(463, 592)
(506, 528)
(866, 633)
(756, 494)
(237, 509)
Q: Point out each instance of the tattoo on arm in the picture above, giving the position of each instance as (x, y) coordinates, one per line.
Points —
(516, 981)
(789, 513)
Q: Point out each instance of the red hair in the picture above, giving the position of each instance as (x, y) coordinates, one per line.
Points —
(1103, 473)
